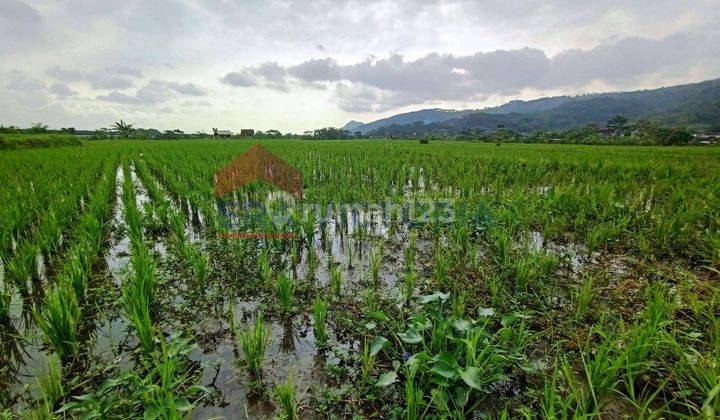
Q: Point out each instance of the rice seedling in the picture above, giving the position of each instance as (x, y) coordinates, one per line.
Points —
(336, 281)
(51, 385)
(285, 290)
(23, 267)
(582, 297)
(265, 269)
(635, 215)
(376, 257)
(254, 342)
(320, 313)
(59, 321)
(367, 360)
(414, 397)
(286, 396)
(410, 277)
(137, 311)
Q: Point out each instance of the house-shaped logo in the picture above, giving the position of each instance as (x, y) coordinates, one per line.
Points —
(257, 164)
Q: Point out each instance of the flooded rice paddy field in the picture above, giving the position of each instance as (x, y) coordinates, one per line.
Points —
(546, 281)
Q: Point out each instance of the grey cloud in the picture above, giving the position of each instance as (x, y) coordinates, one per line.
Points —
(187, 88)
(118, 97)
(154, 92)
(316, 70)
(269, 74)
(66, 75)
(27, 91)
(110, 77)
(239, 79)
(374, 84)
(101, 81)
(20, 25)
(61, 90)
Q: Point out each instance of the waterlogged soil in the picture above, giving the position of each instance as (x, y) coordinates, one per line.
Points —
(205, 315)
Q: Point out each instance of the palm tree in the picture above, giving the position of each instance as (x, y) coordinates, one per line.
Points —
(123, 128)
(617, 123)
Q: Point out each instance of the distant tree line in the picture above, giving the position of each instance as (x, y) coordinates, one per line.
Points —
(617, 130)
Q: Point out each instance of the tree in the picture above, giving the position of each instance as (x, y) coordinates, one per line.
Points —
(618, 124)
(123, 128)
(38, 128)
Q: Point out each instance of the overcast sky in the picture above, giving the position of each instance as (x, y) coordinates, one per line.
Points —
(299, 65)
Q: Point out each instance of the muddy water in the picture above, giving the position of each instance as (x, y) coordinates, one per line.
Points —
(292, 348)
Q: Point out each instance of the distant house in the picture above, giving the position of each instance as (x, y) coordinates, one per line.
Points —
(247, 132)
(708, 139)
(708, 136)
(221, 133)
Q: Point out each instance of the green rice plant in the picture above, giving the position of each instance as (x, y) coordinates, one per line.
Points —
(336, 281)
(265, 268)
(137, 312)
(644, 401)
(5, 301)
(410, 277)
(177, 224)
(313, 262)
(231, 317)
(441, 269)
(165, 390)
(410, 252)
(51, 385)
(582, 297)
(523, 274)
(49, 235)
(501, 248)
(601, 375)
(320, 313)
(413, 397)
(286, 396)
(77, 269)
(494, 284)
(308, 228)
(350, 247)
(554, 404)
(376, 257)
(143, 279)
(285, 290)
(367, 362)
(254, 342)
(23, 266)
(59, 321)
(704, 377)
(199, 263)
(138, 294)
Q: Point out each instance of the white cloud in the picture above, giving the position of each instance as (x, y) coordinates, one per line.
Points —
(306, 62)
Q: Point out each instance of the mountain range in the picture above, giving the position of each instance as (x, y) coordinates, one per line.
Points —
(694, 105)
